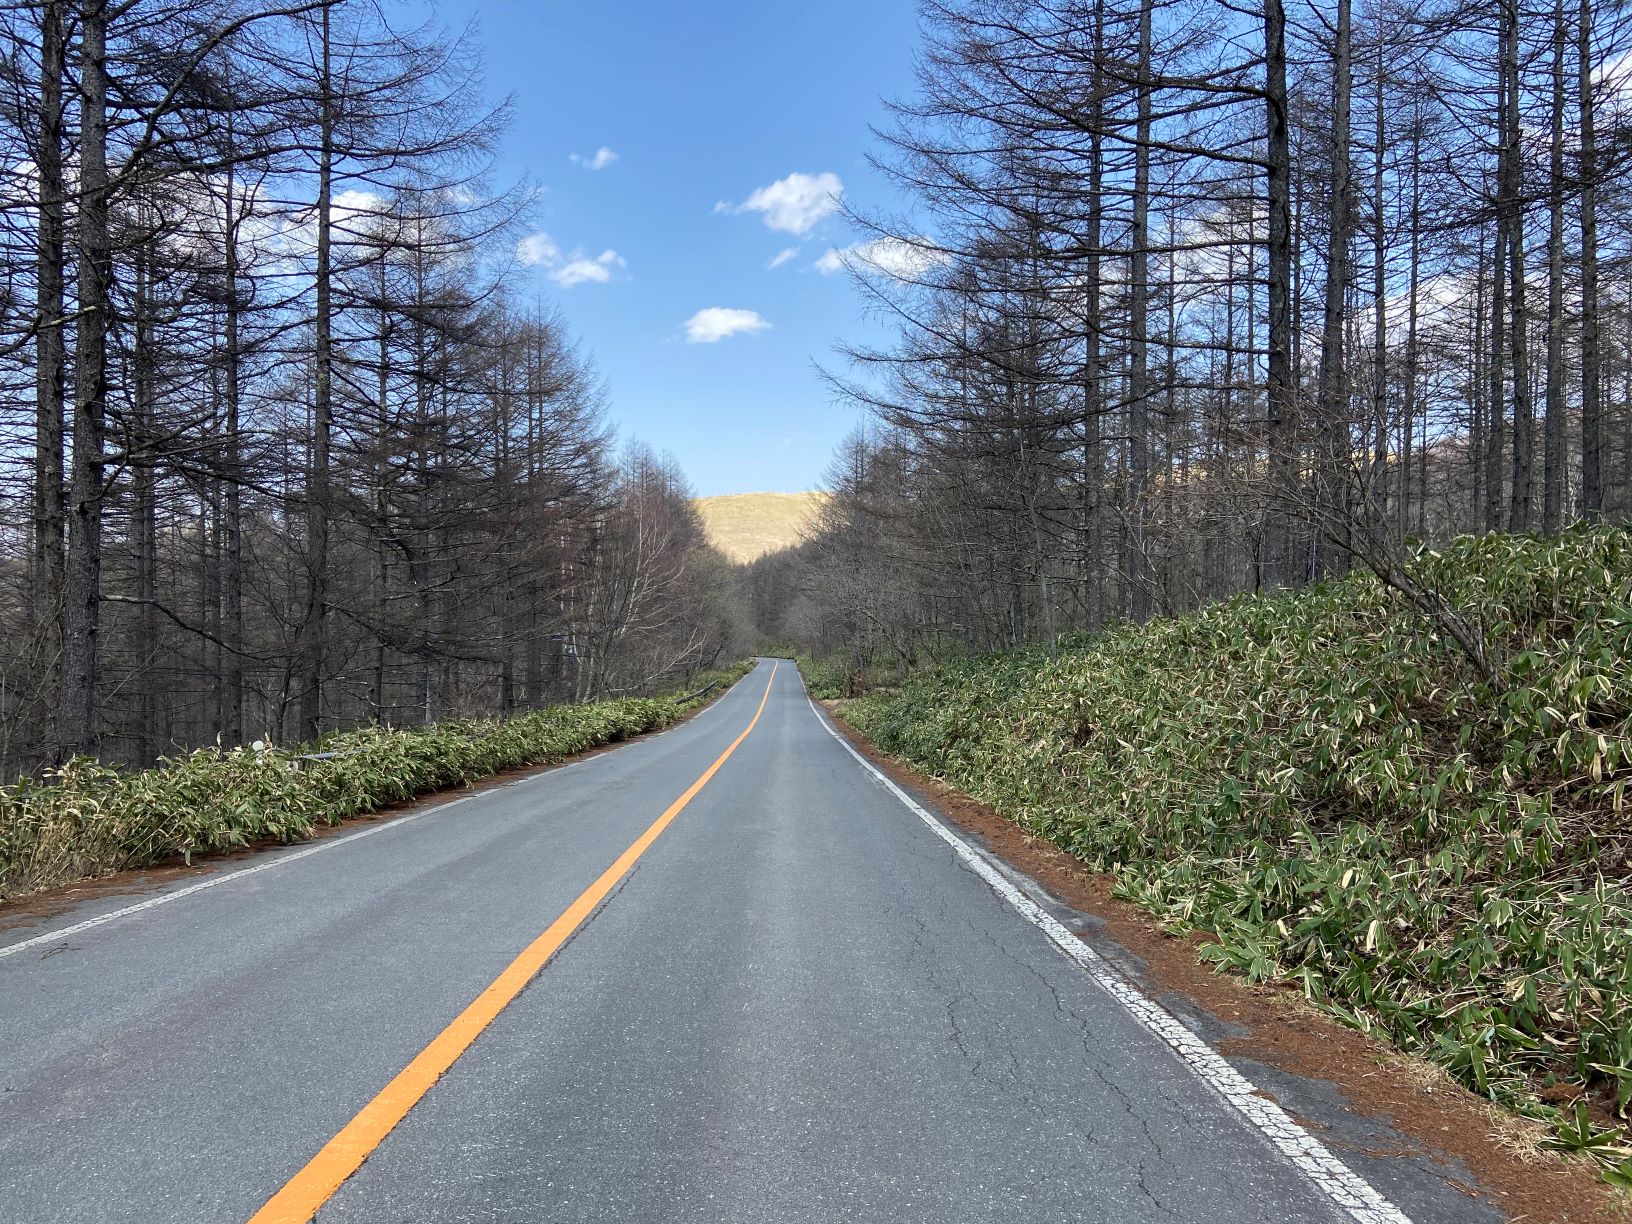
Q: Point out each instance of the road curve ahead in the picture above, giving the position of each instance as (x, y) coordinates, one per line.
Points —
(794, 997)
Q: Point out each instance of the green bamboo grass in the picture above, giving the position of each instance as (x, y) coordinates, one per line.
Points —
(88, 820)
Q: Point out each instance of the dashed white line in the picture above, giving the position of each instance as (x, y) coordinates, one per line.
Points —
(1345, 1188)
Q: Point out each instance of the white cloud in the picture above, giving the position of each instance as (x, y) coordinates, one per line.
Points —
(599, 160)
(902, 258)
(538, 249)
(720, 322)
(347, 205)
(781, 257)
(795, 204)
(581, 269)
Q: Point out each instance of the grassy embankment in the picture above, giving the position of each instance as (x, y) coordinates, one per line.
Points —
(825, 678)
(1326, 785)
(747, 526)
(88, 820)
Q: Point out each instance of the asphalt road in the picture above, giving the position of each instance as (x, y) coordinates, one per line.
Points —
(801, 1003)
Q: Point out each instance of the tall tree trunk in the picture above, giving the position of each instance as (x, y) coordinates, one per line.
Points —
(1592, 452)
(212, 567)
(50, 361)
(510, 513)
(1333, 468)
(233, 578)
(382, 497)
(1478, 384)
(1281, 390)
(1495, 421)
(1626, 416)
(1524, 423)
(144, 501)
(1175, 463)
(83, 580)
(1553, 428)
(1218, 468)
(1377, 486)
(1413, 310)
(423, 528)
(1093, 392)
(1139, 335)
(314, 624)
(1245, 358)
(533, 677)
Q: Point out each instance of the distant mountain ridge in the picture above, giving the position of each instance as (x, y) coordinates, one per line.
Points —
(747, 526)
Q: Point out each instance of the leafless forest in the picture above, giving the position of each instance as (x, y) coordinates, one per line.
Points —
(1198, 298)
(282, 450)
(1190, 299)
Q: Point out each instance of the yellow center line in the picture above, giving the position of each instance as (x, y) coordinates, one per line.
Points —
(308, 1190)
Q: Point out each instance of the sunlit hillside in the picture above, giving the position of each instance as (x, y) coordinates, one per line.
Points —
(745, 526)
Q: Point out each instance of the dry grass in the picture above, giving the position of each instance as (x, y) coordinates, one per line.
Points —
(747, 526)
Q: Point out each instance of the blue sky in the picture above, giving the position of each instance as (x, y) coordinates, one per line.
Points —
(703, 104)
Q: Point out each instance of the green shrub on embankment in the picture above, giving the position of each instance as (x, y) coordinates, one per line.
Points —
(88, 820)
(1324, 782)
(824, 678)
(839, 676)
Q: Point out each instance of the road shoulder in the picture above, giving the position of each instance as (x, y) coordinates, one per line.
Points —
(1399, 1122)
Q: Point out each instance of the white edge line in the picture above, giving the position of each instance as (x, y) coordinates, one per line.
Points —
(330, 843)
(225, 877)
(1347, 1189)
